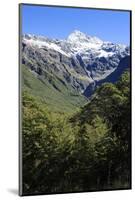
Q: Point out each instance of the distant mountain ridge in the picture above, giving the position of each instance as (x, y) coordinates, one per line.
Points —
(81, 61)
(111, 78)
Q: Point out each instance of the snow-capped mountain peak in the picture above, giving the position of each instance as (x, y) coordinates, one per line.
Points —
(78, 43)
(78, 36)
(82, 59)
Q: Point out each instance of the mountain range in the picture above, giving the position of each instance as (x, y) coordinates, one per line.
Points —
(71, 68)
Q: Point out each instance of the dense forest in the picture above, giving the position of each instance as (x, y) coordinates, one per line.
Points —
(87, 150)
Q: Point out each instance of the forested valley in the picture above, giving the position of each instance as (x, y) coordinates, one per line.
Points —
(85, 150)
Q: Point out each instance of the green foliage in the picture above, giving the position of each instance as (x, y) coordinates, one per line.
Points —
(59, 97)
(89, 150)
(111, 103)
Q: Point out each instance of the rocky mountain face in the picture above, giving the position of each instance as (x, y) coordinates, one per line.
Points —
(111, 78)
(81, 61)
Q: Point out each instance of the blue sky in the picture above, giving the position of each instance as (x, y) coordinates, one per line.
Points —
(59, 22)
